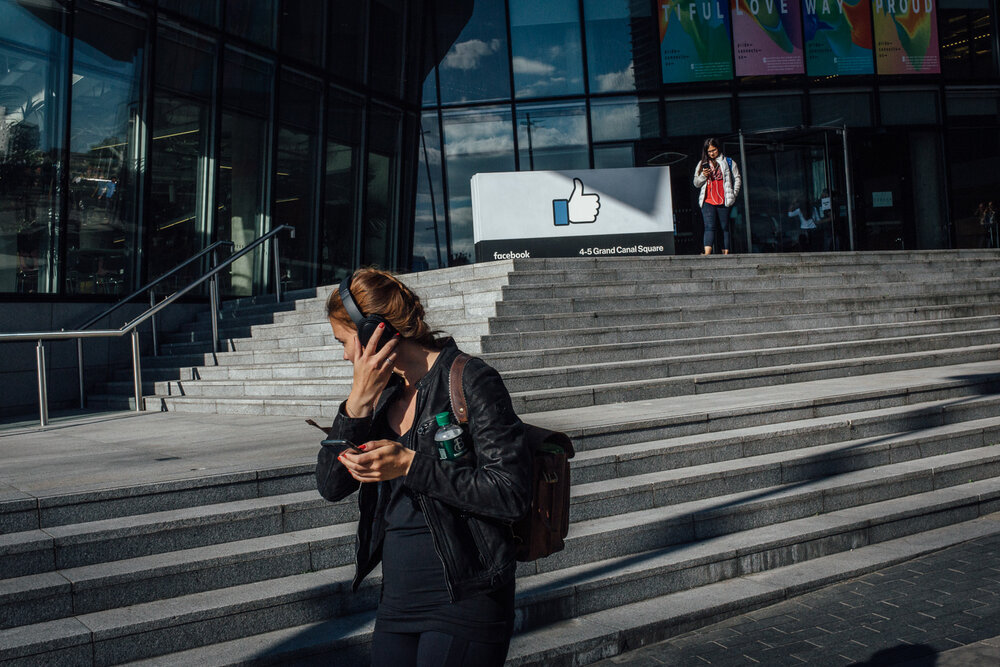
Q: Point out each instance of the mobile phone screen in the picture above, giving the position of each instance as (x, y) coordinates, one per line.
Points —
(341, 443)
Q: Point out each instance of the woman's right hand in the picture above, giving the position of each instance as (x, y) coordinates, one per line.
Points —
(372, 370)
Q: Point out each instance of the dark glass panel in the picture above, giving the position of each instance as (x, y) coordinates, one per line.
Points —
(707, 118)
(179, 162)
(343, 164)
(243, 162)
(206, 11)
(302, 29)
(614, 156)
(106, 136)
(382, 192)
(620, 45)
(851, 109)
(545, 41)
(770, 111)
(386, 46)
(973, 186)
(296, 175)
(966, 38)
(480, 140)
(32, 48)
(252, 19)
(909, 107)
(430, 248)
(552, 136)
(475, 67)
(346, 39)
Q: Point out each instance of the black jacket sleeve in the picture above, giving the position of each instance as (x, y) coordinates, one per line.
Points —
(498, 485)
(332, 478)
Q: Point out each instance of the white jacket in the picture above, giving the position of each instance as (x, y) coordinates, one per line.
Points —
(731, 181)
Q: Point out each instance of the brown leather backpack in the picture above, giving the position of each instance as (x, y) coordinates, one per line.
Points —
(543, 529)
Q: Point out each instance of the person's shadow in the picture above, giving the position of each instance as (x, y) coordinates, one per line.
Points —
(906, 655)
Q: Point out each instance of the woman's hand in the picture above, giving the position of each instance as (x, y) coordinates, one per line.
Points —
(380, 461)
(372, 370)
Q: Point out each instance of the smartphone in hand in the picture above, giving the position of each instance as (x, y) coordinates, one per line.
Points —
(347, 445)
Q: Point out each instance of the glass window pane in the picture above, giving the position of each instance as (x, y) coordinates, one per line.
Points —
(476, 66)
(243, 161)
(430, 248)
(474, 141)
(252, 19)
(552, 136)
(383, 185)
(346, 41)
(545, 40)
(708, 118)
(619, 119)
(909, 107)
(966, 38)
(31, 131)
(973, 108)
(343, 163)
(619, 33)
(206, 11)
(851, 109)
(385, 49)
(104, 153)
(302, 29)
(765, 113)
(296, 176)
(614, 157)
(178, 156)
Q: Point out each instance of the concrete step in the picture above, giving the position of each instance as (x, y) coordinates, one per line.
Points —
(955, 305)
(152, 629)
(548, 304)
(606, 330)
(670, 343)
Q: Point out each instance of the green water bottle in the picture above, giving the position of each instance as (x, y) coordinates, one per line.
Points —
(450, 443)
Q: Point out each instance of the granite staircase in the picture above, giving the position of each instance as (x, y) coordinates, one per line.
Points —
(747, 428)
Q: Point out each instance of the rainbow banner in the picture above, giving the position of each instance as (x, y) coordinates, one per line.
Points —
(906, 37)
(838, 37)
(694, 40)
(767, 36)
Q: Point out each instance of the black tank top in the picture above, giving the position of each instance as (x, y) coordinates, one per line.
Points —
(414, 593)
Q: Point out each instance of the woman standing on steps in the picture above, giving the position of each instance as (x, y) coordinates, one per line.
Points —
(437, 520)
(718, 177)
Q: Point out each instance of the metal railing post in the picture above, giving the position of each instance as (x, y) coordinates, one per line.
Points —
(79, 366)
(156, 344)
(213, 297)
(277, 268)
(137, 370)
(43, 393)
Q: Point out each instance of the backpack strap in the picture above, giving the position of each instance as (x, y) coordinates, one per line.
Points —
(455, 390)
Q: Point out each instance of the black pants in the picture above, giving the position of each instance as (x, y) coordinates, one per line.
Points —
(716, 220)
(434, 649)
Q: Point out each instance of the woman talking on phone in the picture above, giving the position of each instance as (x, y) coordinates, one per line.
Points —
(436, 517)
(719, 180)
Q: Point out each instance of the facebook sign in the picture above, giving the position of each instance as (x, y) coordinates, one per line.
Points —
(596, 212)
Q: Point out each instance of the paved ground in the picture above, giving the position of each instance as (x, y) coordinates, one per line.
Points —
(942, 609)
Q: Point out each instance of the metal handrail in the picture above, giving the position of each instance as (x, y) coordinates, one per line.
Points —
(131, 327)
(155, 282)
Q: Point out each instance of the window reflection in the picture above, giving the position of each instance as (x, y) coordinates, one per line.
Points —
(239, 185)
(966, 39)
(616, 31)
(552, 136)
(475, 67)
(545, 41)
(382, 179)
(480, 140)
(252, 19)
(295, 175)
(206, 11)
(340, 211)
(104, 154)
(302, 29)
(430, 247)
(177, 227)
(30, 132)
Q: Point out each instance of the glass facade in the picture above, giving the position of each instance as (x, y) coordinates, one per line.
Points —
(135, 133)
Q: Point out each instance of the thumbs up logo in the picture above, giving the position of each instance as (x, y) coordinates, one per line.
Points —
(578, 208)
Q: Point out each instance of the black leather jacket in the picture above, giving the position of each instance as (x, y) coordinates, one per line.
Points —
(470, 502)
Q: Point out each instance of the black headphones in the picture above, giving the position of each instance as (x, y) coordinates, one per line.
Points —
(366, 324)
